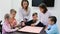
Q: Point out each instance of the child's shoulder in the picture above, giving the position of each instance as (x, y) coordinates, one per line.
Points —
(54, 26)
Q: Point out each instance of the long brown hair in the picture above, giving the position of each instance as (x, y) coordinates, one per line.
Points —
(27, 3)
(43, 6)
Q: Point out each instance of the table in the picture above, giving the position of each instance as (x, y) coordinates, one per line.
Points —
(30, 29)
(21, 32)
(42, 32)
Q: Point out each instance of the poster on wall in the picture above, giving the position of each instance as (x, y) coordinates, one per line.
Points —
(49, 3)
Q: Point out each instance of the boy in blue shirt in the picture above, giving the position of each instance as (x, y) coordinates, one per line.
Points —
(52, 27)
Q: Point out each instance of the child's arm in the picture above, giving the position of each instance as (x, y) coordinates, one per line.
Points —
(8, 29)
(52, 30)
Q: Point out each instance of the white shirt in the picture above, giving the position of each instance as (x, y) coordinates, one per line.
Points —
(44, 17)
(24, 14)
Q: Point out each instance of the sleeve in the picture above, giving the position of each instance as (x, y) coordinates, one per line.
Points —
(8, 29)
(20, 16)
(41, 25)
(50, 14)
(28, 23)
(36, 23)
(51, 31)
(30, 15)
(39, 17)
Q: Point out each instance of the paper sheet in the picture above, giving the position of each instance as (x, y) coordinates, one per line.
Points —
(31, 29)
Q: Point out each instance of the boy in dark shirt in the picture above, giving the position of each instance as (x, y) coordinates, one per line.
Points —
(35, 21)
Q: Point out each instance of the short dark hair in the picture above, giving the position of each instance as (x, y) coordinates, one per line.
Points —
(34, 14)
(24, 1)
(53, 18)
(43, 6)
(12, 10)
(7, 16)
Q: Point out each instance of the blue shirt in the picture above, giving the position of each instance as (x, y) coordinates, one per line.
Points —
(53, 29)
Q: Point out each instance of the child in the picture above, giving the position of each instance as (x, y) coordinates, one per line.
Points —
(12, 18)
(6, 25)
(52, 28)
(35, 21)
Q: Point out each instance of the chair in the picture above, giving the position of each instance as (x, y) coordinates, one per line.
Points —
(0, 26)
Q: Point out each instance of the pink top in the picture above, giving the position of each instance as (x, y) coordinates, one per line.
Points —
(13, 22)
(6, 28)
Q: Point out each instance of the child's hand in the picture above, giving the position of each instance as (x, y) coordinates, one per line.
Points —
(32, 25)
(16, 28)
(46, 28)
(23, 23)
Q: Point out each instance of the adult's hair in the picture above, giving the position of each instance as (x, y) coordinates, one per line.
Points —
(34, 14)
(25, 1)
(7, 16)
(43, 6)
(54, 19)
(12, 10)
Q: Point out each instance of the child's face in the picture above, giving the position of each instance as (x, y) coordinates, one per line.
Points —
(13, 14)
(50, 22)
(7, 20)
(35, 17)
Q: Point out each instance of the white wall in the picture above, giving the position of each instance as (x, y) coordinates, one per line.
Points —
(6, 5)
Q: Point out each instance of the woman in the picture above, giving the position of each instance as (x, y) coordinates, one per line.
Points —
(24, 12)
(43, 14)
